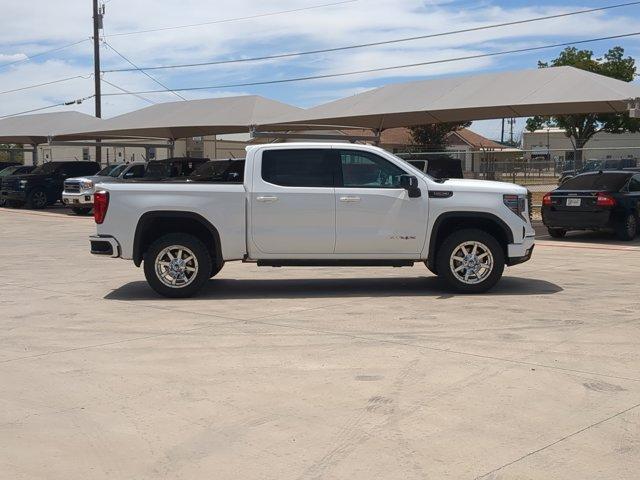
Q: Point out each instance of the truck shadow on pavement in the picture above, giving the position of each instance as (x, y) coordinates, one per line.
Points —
(222, 288)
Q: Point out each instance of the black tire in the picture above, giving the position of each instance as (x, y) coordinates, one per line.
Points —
(37, 199)
(215, 268)
(81, 210)
(627, 228)
(203, 265)
(451, 245)
(557, 232)
(433, 269)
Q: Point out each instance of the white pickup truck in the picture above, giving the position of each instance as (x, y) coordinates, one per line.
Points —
(315, 204)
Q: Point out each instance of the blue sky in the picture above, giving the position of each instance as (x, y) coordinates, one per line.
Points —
(35, 26)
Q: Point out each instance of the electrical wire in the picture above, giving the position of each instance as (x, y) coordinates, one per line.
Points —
(29, 57)
(227, 20)
(28, 87)
(375, 44)
(395, 67)
(127, 91)
(143, 72)
(62, 104)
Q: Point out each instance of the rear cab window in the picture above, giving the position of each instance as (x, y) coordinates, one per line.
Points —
(299, 167)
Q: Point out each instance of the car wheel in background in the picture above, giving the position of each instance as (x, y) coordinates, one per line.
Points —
(37, 199)
(627, 229)
(470, 261)
(81, 210)
(177, 265)
(557, 232)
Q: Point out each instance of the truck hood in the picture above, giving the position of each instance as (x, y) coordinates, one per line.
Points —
(468, 185)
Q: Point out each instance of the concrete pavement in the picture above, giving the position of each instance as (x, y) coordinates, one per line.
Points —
(315, 373)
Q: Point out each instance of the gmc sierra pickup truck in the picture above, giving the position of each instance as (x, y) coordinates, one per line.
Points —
(315, 204)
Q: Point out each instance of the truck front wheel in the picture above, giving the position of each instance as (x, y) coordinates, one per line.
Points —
(177, 265)
(470, 261)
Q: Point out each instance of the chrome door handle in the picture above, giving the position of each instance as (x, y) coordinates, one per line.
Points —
(349, 199)
(267, 199)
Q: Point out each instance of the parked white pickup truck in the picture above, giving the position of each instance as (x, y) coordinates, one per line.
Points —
(315, 204)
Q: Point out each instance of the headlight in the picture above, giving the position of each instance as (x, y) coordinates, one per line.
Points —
(23, 183)
(517, 204)
(86, 185)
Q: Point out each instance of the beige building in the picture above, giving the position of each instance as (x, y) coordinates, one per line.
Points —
(553, 144)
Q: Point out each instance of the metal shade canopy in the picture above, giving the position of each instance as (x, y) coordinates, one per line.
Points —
(545, 91)
(190, 118)
(38, 128)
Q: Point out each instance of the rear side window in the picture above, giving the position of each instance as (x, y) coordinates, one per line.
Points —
(606, 182)
(299, 168)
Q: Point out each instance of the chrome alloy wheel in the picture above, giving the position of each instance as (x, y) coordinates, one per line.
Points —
(176, 266)
(471, 262)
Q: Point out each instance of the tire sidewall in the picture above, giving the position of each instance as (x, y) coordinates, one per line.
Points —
(622, 232)
(32, 194)
(455, 239)
(192, 243)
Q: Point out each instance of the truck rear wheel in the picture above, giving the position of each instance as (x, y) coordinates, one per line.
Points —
(177, 265)
(470, 261)
(37, 199)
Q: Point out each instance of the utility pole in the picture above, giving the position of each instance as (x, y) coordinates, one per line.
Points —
(502, 134)
(98, 13)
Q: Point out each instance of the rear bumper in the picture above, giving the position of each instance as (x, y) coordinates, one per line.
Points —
(520, 252)
(71, 199)
(105, 245)
(577, 220)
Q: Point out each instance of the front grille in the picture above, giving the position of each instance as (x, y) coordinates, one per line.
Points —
(71, 187)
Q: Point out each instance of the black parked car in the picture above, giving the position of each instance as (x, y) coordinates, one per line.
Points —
(44, 185)
(595, 201)
(171, 168)
(219, 171)
(13, 170)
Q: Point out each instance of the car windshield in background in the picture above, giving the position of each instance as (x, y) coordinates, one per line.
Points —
(7, 171)
(108, 171)
(46, 168)
(606, 182)
(115, 172)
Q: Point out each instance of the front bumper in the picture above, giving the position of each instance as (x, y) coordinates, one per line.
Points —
(72, 199)
(520, 252)
(105, 245)
(14, 195)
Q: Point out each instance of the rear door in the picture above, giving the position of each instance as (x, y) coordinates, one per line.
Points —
(292, 201)
(374, 214)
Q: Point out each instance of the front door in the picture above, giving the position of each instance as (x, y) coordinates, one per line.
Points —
(293, 203)
(374, 215)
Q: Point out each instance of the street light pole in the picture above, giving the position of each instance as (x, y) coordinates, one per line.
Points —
(97, 25)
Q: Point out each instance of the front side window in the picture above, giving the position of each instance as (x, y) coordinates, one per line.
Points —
(299, 167)
(368, 170)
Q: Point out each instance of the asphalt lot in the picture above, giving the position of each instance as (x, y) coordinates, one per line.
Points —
(315, 373)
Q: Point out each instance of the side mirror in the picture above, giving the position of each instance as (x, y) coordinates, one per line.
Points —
(410, 184)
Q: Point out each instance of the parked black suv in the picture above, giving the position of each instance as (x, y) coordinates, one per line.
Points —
(176, 167)
(44, 185)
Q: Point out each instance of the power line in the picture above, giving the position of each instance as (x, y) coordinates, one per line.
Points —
(143, 72)
(127, 91)
(45, 52)
(227, 20)
(374, 44)
(395, 67)
(62, 104)
(52, 82)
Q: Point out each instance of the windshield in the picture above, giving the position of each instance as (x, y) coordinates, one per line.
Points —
(107, 171)
(7, 171)
(46, 168)
(592, 165)
(605, 182)
(115, 173)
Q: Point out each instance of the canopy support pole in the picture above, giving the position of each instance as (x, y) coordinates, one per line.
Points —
(34, 155)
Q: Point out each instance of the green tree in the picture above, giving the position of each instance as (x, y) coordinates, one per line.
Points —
(433, 137)
(580, 128)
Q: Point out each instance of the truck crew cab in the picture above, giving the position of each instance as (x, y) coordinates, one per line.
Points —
(315, 204)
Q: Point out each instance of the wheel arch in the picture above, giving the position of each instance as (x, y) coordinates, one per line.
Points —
(151, 225)
(448, 222)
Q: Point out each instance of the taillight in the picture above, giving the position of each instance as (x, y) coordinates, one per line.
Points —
(100, 206)
(605, 200)
(546, 200)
